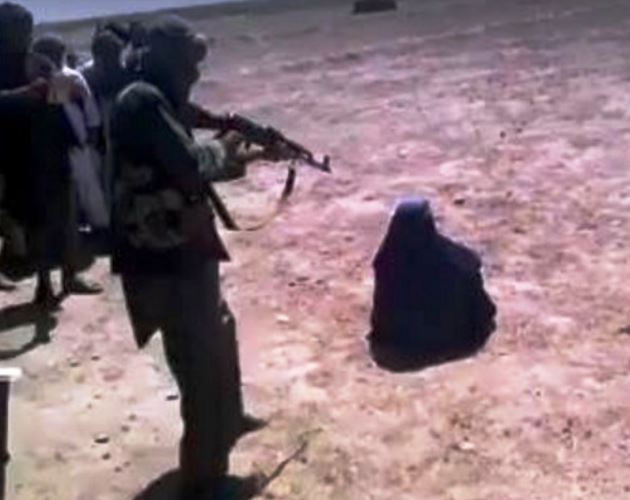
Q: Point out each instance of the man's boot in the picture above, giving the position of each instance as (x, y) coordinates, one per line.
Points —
(75, 285)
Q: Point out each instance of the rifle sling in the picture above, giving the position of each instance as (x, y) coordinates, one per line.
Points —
(230, 223)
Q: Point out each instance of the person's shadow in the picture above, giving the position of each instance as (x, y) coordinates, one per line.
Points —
(23, 315)
(167, 487)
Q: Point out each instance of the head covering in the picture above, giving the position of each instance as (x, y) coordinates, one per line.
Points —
(137, 34)
(172, 36)
(117, 28)
(16, 27)
(51, 46)
(106, 44)
(413, 244)
(411, 234)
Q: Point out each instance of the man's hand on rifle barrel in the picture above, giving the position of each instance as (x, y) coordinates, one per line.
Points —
(239, 149)
(232, 143)
(239, 154)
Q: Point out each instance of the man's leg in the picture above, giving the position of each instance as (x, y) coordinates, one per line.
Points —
(194, 353)
(231, 375)
(13, 246)
(44, 294)
(199, 451)
(184, 309)
(38, 239)
(72, 283)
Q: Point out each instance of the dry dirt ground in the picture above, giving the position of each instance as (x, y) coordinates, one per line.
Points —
(513, 118)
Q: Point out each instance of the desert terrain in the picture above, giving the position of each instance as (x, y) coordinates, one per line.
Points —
(513, 118)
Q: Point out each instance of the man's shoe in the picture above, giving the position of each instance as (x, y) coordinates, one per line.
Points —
(78, 286)
(250, 423)
(239, 488)
(6, 285)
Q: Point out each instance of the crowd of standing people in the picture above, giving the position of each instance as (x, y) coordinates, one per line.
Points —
(56, 176)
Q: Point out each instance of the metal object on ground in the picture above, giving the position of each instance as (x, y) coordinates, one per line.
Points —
(369, 6)
(7, 375)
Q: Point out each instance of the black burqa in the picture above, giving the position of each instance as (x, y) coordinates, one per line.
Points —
(429, 301)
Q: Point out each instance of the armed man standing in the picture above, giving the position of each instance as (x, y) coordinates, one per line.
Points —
(167, 248)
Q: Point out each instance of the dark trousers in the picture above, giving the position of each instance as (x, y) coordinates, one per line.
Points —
(198, 332)
(55, 242)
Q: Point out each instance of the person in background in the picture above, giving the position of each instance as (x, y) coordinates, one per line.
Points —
(81, 182)
(69, 88)
(55, 241)
(134, 37)
(106, 77)
(132, 58)
(105, 73)
(30, 131)
(18, 102)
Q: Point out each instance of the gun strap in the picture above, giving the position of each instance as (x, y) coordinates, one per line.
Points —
(230, 223)
(221, 210)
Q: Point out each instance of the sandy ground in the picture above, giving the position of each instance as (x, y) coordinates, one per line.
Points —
(513, 118)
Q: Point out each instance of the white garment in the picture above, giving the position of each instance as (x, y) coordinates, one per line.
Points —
(69, 88)
(90, 107)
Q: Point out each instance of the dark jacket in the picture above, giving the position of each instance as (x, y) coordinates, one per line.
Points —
(155, 156)
(34, 140)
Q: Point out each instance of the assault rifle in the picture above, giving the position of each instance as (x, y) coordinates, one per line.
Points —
(267, 138)
(263, 136)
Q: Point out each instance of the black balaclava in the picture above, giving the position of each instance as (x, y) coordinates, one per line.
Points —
(172, 57)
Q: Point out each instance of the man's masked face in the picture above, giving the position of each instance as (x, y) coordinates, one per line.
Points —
(179, 67)
(192, 54)
(187, 70)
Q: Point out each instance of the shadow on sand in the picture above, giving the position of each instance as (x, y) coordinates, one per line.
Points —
(24, 315)
(167, 487)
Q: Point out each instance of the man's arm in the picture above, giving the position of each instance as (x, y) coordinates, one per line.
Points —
(23, 99)
(190, 164)
(31, 100)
